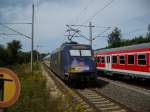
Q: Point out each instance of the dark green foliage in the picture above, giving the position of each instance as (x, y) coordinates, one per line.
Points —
(13, 49)
(114, 38)
(3, 55)
(12, 54)
(148, 34)
(24, 57)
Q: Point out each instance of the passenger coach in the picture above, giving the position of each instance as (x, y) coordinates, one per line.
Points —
(131, 60)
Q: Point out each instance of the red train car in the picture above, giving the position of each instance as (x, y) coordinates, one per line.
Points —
(131, 60)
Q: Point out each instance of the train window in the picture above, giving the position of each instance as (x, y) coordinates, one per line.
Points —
(86, 53)
(102, 59)
(98, 59)
(74, 52)
(122, 59)
(142, 59)
(130, 59)
(114, 59)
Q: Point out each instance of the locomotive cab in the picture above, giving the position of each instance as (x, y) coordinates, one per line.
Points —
(81, 61)
(80, 64)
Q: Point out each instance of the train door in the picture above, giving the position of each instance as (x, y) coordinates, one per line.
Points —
(108, 62)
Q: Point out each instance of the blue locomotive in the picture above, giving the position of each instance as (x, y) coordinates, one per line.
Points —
(73, 61)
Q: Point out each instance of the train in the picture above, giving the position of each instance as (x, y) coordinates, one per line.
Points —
(73, 62)
(132, 61)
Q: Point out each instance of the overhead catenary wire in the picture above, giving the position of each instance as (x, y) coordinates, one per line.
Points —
(95, 14)
(8, 34)
(76, 31)
(84, 9)
(99, 35)
(83, 36)
(15, 31)
(16, 23)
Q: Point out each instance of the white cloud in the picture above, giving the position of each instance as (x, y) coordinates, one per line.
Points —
(51, 16)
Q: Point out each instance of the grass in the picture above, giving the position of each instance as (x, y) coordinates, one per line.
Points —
(34, 96)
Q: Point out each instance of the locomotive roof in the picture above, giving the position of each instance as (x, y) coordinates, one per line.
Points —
(68, 44)
(137, 46)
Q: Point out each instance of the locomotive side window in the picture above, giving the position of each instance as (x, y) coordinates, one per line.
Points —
(130, 59)
(86, 53)
(122, 59)
(114, 59)
(102, 59)
(74, 53)
(141, 59)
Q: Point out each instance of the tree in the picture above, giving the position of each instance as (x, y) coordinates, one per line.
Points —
(148, 34)
(149, 27)
(3, 56)
(13, 49)
(12, 54)
(114, 38)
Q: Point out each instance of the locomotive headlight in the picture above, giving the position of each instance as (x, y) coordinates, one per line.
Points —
(78, 69)
(72, 69)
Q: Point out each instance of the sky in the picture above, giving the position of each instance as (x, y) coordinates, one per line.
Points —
(52, 16)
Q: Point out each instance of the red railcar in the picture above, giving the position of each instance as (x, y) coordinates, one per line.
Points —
(131, 60)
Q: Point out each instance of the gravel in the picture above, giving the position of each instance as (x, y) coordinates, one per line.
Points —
(133, 98)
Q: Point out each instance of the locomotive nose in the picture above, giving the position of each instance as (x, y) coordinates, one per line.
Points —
(81, 64)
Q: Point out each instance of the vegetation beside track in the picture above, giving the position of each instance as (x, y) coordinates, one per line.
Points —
(34, 96)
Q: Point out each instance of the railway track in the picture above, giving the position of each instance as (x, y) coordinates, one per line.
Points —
(89, 98)
(99, 102)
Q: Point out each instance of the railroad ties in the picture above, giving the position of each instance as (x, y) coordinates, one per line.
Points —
(98, 102)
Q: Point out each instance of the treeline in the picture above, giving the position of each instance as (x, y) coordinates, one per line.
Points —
(115, 39)
(12, 54)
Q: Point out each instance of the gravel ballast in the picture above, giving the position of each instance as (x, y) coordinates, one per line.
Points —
(133, 98)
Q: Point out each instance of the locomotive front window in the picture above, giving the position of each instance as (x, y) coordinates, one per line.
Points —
(74, 53)
(86, 53)
(142, 59)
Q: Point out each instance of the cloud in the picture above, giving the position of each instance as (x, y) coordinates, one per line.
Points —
(14, 3)
(51, 16)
